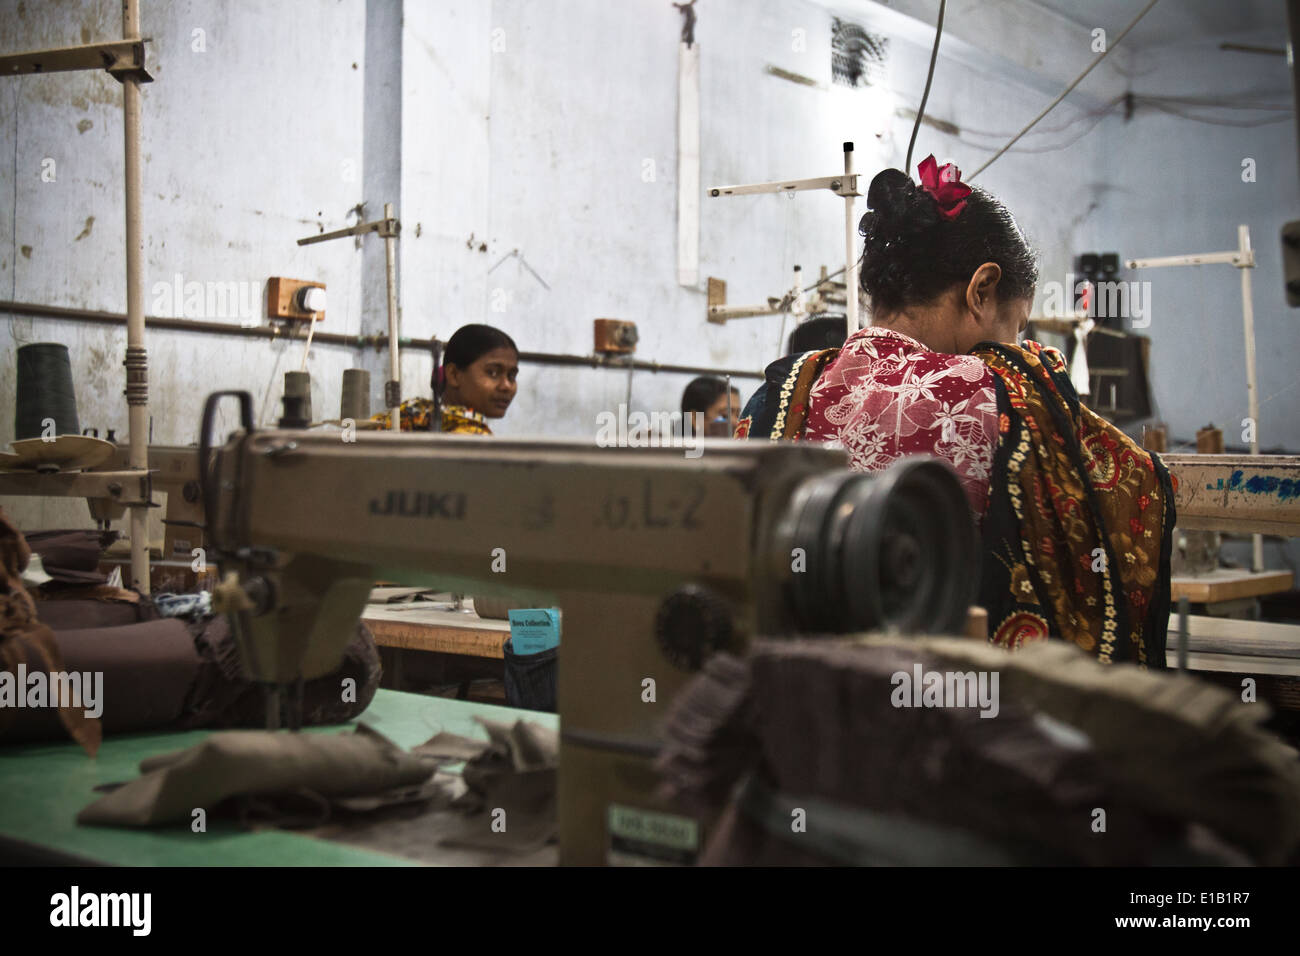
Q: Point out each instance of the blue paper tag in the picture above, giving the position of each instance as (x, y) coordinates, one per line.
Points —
(534, 630)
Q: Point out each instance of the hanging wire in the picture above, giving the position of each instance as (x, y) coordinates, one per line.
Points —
(1064, 93)
(929, 78)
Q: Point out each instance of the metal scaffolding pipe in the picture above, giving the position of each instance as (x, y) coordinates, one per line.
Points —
(137, 359)
(271, 333)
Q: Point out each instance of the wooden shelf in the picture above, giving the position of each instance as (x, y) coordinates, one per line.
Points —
(1229, 584)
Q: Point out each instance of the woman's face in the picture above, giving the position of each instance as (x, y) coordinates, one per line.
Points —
(719, 410)
(488, 386)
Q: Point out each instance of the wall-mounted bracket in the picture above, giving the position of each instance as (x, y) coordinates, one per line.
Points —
(121, 58)
(387, 228)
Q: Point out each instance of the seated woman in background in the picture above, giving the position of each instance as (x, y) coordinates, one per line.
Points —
(708, 396)
(476, 381)
(1076, 518)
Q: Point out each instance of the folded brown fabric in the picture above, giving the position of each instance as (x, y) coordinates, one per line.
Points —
(255, 763)
(71, 556)
(90, 607)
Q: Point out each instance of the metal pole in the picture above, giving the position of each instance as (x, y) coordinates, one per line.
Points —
(850, 248)
(137, 361)
(1183, 637)
(1252, 384)
(393, 394)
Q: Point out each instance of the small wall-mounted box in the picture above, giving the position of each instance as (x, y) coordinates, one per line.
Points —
(295, 299)
(615, 337)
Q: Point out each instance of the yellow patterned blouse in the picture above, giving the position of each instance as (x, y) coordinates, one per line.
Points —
(456, 419)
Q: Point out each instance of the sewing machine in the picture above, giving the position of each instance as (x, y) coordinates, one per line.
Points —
(655, 558)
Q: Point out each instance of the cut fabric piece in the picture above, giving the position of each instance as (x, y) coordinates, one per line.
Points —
(252, 763)
(511, 790)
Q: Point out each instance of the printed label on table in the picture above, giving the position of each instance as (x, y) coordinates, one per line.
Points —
(647, 838)
(534, 630)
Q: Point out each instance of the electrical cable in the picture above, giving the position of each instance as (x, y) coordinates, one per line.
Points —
(929, 78)
(1064, 93)
(1083, 116)
(1096, 119)
(1183, 114)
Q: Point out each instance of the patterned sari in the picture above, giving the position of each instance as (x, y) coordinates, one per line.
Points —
(1079, 521)
(1076, 518)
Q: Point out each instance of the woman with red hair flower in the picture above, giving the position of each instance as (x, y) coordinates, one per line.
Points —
(1076, 518)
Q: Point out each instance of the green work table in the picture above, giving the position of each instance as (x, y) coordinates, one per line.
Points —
(43, 786)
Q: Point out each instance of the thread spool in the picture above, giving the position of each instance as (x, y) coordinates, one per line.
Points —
(1153, 438)
(45, 392)
(298, 385)
(355, 403)
(1209, 441)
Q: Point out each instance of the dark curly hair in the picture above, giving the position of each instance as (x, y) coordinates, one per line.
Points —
(912, 254)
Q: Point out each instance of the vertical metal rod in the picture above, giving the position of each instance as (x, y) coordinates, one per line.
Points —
(394, 356)
(1183, 637)
(436, 424)
(1252, 383)
(731, 418)
(137, 364)
(850, 247)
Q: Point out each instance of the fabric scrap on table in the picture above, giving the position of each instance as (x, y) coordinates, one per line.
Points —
(257, 763)
(510, 795)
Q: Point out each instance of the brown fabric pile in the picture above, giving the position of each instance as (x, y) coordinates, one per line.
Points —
(157, 673)
(71, 556)
(1181, 770)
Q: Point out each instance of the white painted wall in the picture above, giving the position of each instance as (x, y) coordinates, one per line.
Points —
(243, 146)
(1175, 187)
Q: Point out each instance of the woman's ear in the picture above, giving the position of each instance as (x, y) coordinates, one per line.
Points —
(981, 292)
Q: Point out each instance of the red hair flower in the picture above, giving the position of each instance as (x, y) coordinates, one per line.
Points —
(944, 184)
